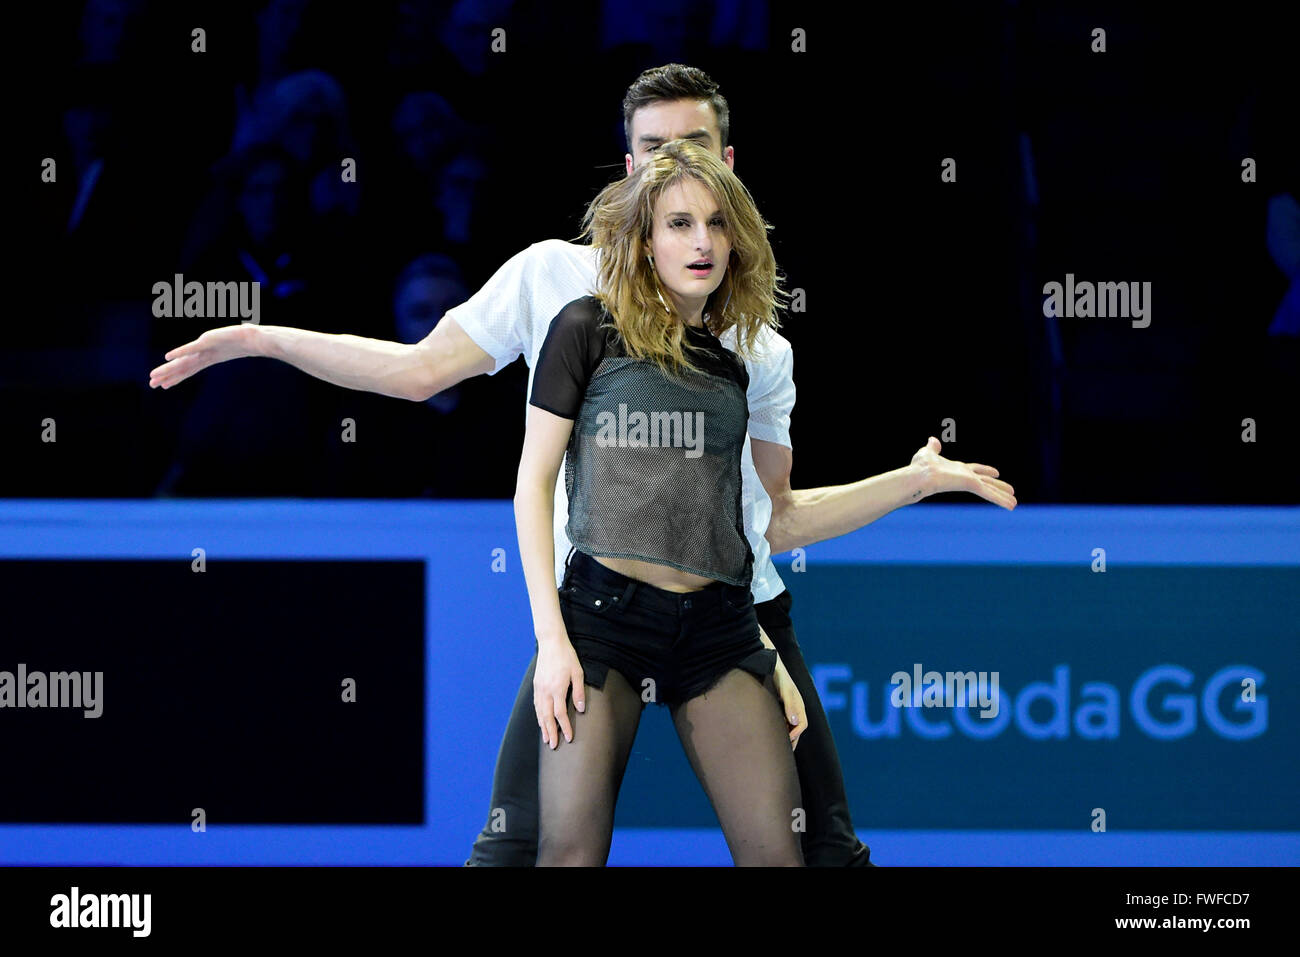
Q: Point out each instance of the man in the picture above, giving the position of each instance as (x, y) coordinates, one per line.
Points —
(509, 317)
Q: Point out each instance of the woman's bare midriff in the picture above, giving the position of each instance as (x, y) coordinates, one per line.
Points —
(661, 576)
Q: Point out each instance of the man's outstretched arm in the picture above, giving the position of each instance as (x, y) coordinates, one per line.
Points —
(804, 516)
(483, 334)
(397, 369)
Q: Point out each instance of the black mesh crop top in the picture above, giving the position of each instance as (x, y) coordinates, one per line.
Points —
(652, 469)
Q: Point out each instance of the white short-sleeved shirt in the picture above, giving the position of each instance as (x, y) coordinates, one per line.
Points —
(510, 316)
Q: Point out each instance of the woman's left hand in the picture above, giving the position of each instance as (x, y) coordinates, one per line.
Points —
(796, 718)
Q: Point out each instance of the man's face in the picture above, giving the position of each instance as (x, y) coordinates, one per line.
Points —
(656, 124)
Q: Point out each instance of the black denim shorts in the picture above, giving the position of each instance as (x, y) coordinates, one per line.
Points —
(669, 646)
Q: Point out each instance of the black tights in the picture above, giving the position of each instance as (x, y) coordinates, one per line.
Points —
(737, 742)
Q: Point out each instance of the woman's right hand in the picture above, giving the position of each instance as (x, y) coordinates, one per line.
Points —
(215, 345)
(557, 669)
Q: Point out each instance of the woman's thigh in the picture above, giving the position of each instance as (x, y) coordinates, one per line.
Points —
(736, 739)
(578, 781)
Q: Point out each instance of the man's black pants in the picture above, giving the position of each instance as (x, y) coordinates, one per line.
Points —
(510, 836)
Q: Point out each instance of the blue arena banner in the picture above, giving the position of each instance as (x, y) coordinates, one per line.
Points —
(1133, 715)
(1120, 691)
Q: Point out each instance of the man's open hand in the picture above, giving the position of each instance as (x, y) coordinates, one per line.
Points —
(945, 475)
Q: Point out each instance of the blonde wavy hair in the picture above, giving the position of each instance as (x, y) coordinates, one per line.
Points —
(619, 222)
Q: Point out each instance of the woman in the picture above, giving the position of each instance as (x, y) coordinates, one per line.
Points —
(635, 394)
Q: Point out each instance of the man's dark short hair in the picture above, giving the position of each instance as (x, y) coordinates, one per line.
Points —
(675, 82)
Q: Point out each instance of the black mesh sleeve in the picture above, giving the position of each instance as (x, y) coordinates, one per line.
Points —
(573, 348)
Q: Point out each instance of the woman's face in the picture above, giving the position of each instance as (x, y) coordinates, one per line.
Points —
(689, 243)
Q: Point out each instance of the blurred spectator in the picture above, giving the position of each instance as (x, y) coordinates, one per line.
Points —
(458, 189)
(674, 30)
(413, 43)
(306, 115)
(431, 187)
(109, 30)
(451, 130)
(86, 128)
(103, 183)
(427, 131)
(1284, 247)
(463, 442)
(256, 226)
(252, 428)
(425, 290)
(466, 33)
(279, 31)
